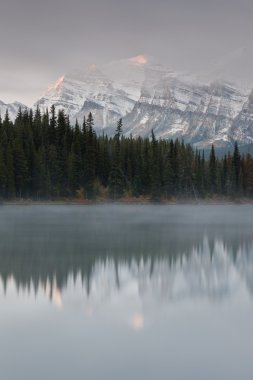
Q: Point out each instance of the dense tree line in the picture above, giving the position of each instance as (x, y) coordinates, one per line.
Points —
(42, 156)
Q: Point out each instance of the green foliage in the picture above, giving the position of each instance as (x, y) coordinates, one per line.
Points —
(212, 172)
(42, 156)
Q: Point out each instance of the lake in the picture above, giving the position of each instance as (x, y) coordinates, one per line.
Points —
(126, 292)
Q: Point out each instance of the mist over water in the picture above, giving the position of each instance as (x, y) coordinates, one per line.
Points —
(126, 292)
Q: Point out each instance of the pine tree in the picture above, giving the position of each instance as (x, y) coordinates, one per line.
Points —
(76, 161)
(168, 173)
(61, 161)
(212, 172)
(2, 173)
(224, 184)
(90, 161)
(20, 168)
(52, 126)
(155, 176)
(236, 163)
(117, 180)
(118, 132)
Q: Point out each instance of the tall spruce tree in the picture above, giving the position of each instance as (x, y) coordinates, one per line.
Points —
(155, 176)
(236, 164)
(117, 180)
(212, 172)
(90, 161)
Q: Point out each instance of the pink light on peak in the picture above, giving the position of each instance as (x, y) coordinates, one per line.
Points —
(57, 84)
(93, 67)
(139, 59)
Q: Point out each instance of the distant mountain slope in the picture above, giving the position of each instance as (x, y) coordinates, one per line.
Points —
(199, 114)
(12, 109)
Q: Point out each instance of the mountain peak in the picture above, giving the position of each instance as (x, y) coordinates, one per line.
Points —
(140, 59)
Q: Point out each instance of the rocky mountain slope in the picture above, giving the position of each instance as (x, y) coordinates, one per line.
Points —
(201, 114)
(12, 109)
(148, 95)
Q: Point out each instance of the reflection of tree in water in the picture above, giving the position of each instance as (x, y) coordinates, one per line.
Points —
(47, 256)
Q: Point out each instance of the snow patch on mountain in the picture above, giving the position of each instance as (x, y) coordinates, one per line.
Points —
(12, 108)
(150, 96)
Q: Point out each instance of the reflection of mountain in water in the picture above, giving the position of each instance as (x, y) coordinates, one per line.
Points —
(161, 256)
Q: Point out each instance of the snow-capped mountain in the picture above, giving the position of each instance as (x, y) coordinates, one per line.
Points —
(201, 114)
(91, 90)
(12, 109)
(148, 95)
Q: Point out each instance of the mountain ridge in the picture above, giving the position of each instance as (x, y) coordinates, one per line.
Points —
(150, 96)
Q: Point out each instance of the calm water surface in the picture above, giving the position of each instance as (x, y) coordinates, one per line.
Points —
(126, 292)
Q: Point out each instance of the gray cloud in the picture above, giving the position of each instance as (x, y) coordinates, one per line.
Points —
(40, 40)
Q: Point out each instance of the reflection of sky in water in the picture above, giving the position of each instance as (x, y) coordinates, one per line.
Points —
(168, 304)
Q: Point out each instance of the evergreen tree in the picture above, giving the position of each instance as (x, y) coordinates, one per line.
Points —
(52, 126)
(236, 163)
(155, 176)
(2, 173)
(212, 172)
(20, 168)
(90, 161)
(10, 184)
(42, 156)
(76, 161)
(61, 161)
(117, 180)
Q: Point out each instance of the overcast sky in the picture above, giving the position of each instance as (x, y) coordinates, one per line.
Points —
(42, 39)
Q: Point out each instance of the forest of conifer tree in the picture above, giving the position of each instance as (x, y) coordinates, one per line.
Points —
(43, 157)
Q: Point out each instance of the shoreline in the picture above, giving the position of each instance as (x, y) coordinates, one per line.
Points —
(129, 201)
